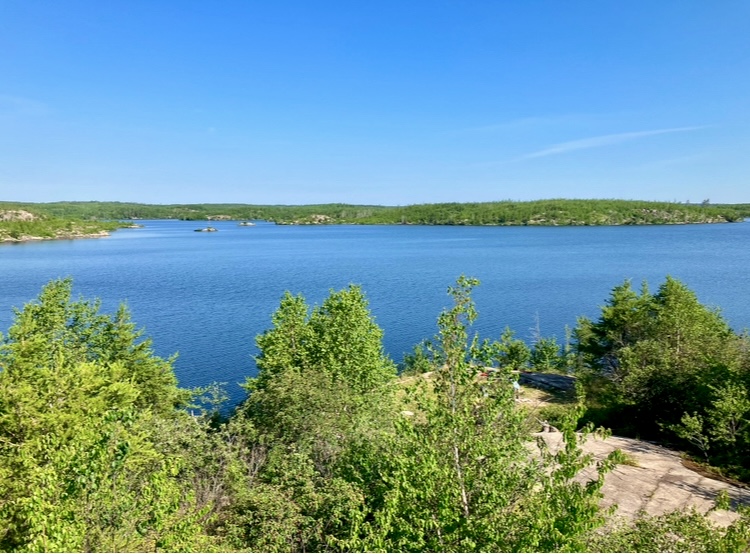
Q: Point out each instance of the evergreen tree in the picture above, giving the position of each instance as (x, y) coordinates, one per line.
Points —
(85, 417)
(665, 363)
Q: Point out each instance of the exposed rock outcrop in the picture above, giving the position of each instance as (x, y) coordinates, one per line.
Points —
(548, 381)
(655, 481)
(17, 215)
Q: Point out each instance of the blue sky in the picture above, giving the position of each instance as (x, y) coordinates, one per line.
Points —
(387, 102)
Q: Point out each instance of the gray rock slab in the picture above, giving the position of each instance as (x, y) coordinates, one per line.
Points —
(658, 482)
(548, 381)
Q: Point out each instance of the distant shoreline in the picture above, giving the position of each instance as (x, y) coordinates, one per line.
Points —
(67, 220)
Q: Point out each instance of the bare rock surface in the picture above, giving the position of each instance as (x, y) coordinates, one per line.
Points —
(16, 215)
(548, 381)
(658, 482)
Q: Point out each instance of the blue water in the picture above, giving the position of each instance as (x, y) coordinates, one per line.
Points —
(207, 295)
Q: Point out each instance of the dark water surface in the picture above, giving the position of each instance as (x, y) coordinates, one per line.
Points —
(207, 295)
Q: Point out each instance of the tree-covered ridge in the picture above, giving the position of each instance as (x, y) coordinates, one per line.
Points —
(538, 212)
(18, 223)
(129, 210)
(556, 212)
(100, 450)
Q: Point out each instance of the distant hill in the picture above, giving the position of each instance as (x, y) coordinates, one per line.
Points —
(538, 212)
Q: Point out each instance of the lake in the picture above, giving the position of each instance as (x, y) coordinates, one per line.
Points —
(207, 295)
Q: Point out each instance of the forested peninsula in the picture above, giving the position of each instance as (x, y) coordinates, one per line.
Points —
(334, 451)
(70, 219)
(21, 225)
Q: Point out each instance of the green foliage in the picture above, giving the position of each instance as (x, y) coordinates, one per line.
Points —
(284, 348)
(99, 453)
(418, 361)
(323, 376)
(39, 224)
(680, 531)
(658, 352)
(663, 362)
(84, 413)
(512, 353)
(348, 342)
(458, 476)
(723, 501)
(553, 212)
(290, 507)
(57, 332)
(559, 415)
(690, 429)
(546, 356)
(340, 338)
(538, 212)
(729, 413)
(324, 388)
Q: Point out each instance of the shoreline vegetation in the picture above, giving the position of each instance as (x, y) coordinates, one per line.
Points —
(335, 450)
(20, 225)
(21, 222)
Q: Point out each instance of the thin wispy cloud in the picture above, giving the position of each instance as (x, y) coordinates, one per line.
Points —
(529, 123)
(526, 122)
(603, 140)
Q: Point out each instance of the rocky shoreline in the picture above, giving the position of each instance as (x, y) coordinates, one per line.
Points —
(59, 236)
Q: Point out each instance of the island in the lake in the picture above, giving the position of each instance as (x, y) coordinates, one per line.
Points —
(66, 220)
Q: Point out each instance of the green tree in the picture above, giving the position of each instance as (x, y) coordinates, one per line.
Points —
(324, 386)
(665, 362)
(57, 331)
(729, 413)
(348, 342)
(286, 505)
(323, 375)
(83, 459)
(546, 356)
(285, 347)
(458, 474)
(512, 353)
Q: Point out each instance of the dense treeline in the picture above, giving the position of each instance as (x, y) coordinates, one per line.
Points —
(128, 210)
(100, 450)
(555, 212)
(539, 212)
(742, 209)
(664, 366)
